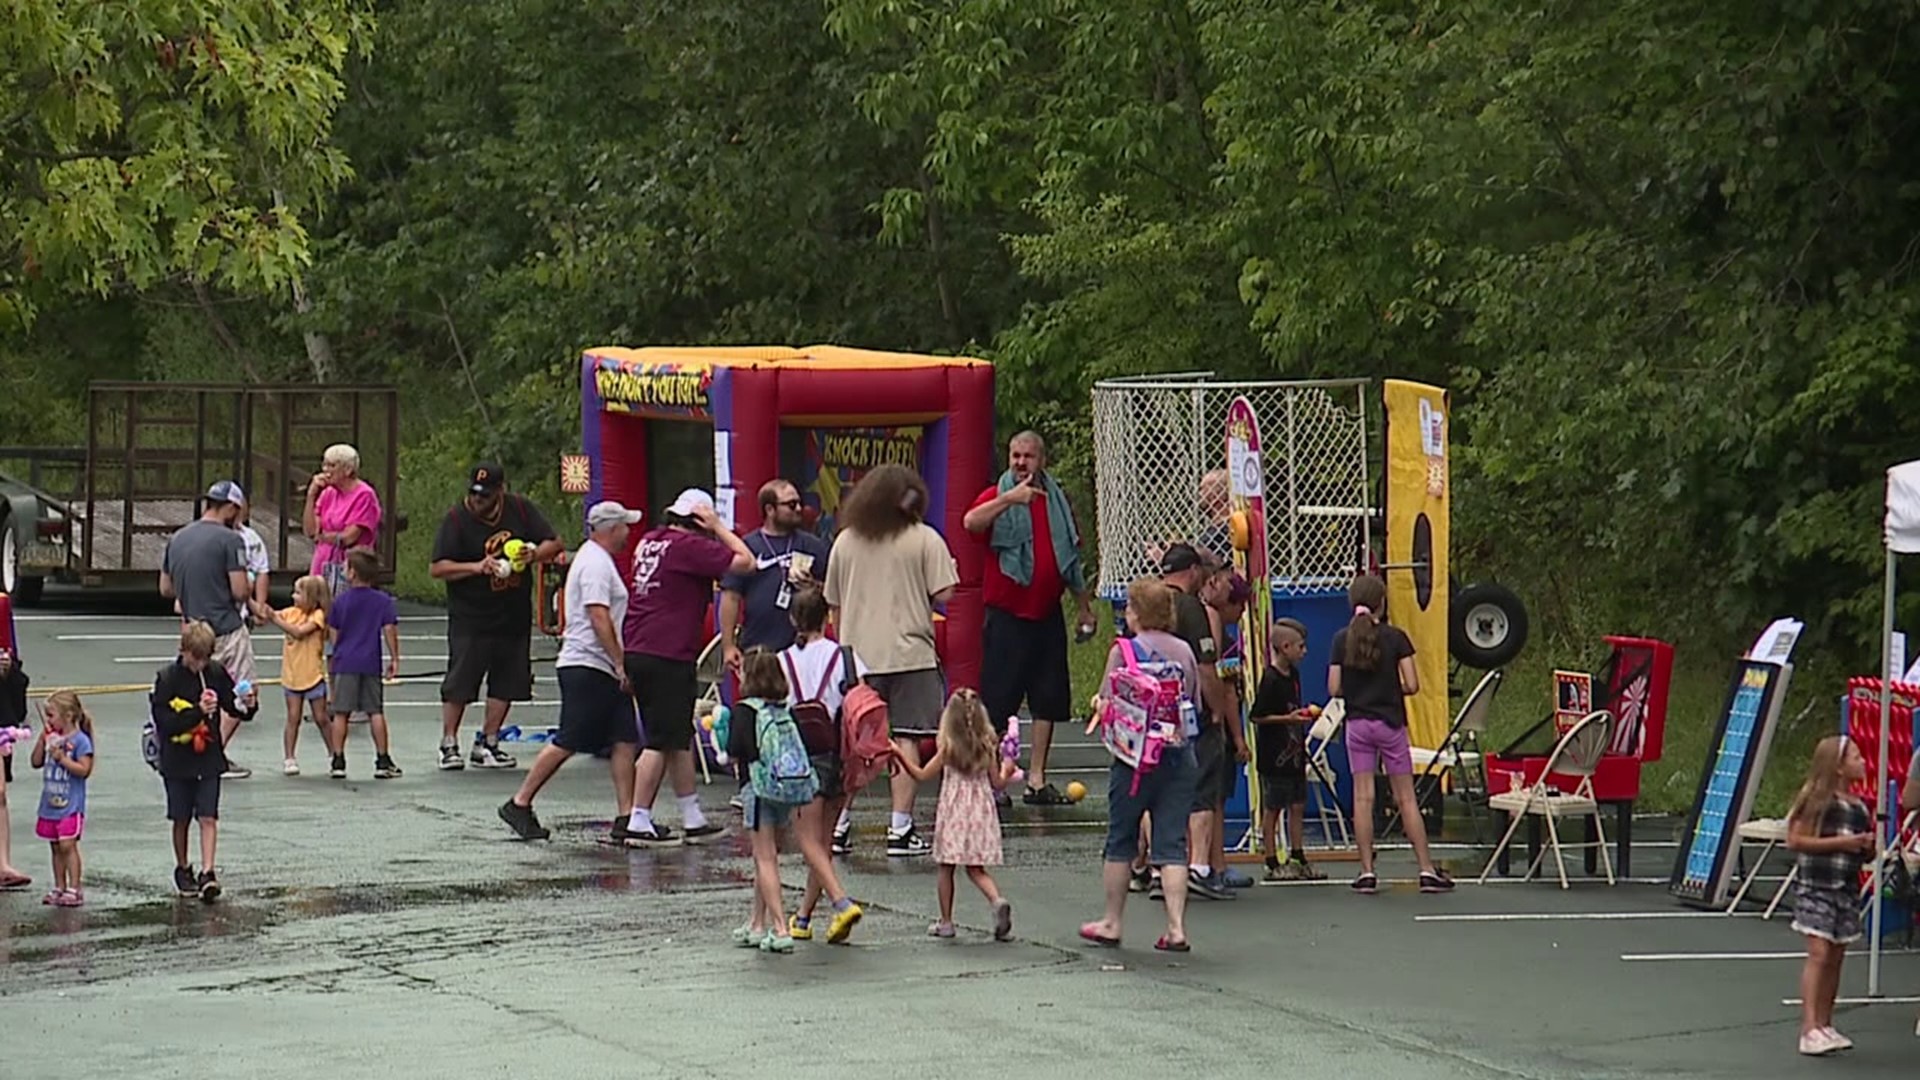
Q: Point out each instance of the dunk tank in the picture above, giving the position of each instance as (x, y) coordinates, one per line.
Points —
(655, 421)
(1300, 473)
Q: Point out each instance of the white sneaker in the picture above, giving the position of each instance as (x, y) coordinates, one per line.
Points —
(290, 768)
(1839, 1041)
(1817, 1043)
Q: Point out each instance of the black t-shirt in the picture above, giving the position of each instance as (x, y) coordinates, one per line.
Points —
(1375, 693)
(1191, 625)
(484, 604)
(1279, 748)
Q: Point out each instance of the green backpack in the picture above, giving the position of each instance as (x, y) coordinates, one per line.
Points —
(784, 772)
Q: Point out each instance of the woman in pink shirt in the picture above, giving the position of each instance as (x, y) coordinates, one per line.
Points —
(342, 513)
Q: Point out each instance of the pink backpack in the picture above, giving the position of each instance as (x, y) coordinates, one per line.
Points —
(1143, 710)
(865, 737)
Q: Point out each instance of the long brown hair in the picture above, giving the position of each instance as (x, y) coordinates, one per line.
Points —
(1826, 778)
(886, 502)
(1368, 595)
(966, 738)
(761, 676)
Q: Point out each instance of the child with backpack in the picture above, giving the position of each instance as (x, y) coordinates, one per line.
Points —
(1147, 717)
(819, 673)
(1832, 833)
(966, 832)
(65, 751)
(759, 732)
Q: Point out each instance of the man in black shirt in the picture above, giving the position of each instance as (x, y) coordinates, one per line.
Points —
(489, 610)
(1184, 570)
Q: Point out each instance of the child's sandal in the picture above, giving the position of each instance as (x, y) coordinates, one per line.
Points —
(940, 930)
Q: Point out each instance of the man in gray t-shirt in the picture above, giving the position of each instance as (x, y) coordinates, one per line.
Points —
(205, 570)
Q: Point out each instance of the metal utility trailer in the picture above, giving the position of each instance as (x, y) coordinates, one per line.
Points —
(99, 515)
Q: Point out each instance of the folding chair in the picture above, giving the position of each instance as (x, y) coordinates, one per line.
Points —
(1575, 755)
(708, 673)
(1772, 832)
(1322, 791)
(1460, 751)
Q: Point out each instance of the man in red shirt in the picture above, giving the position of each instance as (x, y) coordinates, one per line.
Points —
(1033, 549)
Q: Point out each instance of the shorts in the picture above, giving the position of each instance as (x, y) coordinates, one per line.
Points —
(1215, 766)
(1025, 660)
(664, 691)
(1375, 745)
(826, 767)
(594, 713)
(1279, 790)
(504, 661)
(235, 653)
(755, 811)
(191, 797)
(66, 828)
(1829, 914)
(914, 701)
(358, 694)
(1166, 792)
(317, 692)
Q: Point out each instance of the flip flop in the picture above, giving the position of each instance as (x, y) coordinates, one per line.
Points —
(1094, 937)
(15, 881)
(1166, 944)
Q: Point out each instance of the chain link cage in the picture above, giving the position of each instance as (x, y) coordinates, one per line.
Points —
(1157, 436)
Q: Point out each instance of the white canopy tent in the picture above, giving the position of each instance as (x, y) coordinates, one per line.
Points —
(1903, 538)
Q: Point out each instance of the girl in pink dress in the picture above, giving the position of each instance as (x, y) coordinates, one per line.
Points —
(967, 826)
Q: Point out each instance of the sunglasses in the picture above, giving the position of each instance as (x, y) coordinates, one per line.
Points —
(790, 504)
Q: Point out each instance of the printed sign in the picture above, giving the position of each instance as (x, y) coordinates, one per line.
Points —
(576, 474)
(825, 463)
(661, 390)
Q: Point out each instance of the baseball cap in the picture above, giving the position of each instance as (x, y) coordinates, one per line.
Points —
(1179, 557)
(226, 491)
(690, 500)
(486, 477)
(607, 514)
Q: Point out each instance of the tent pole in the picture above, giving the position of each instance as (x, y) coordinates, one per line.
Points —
(1887, 675)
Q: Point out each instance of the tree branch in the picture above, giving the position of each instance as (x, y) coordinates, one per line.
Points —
(222, 331)
(466, 366)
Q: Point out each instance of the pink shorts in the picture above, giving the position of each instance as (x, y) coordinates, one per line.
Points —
(66, 828)
(1377, 745)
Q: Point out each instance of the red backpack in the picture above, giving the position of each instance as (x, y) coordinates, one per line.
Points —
(865, 737)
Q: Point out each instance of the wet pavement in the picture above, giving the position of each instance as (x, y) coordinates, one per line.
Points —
(393, 929)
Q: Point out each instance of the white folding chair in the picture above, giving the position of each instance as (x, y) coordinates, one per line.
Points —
(708, 673)
(1326, 799)
(1577, 754)
(1459, 759)
(1772, 832)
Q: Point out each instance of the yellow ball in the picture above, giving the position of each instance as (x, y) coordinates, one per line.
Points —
(706, 722)
(1076, 791)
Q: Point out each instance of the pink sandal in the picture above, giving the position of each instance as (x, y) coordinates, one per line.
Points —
(1090, 933)
(70, 898)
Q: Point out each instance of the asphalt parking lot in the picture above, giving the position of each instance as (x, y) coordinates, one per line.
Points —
(377, 929)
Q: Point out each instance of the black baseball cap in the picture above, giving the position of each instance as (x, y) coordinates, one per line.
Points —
(1180, 557)
(486, 477)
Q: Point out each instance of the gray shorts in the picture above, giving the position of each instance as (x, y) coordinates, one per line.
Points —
(358, 694)
(914, 701)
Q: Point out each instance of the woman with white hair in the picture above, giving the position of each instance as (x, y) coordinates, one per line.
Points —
(342, 513)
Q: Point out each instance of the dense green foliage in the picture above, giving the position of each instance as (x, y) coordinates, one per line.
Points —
(1662, 252)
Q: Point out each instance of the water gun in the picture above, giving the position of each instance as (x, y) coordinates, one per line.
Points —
(11, 735)
(1010, 746)
(519, 554)
(716, 726)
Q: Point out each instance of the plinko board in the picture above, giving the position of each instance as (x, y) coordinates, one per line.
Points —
(1735, 763)
(1419, 502)
(1249, 500)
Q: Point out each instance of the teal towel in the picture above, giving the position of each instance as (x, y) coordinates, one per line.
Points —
(1012, 537)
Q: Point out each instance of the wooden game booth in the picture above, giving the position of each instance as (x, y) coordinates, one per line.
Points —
(1632, 685)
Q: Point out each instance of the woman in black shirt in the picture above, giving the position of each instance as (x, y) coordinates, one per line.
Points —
(1372, 668)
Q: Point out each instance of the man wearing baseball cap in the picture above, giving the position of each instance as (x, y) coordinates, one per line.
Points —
(675, 568)
(489, 609)
(1185, 569)
(596, 711)
(204, 569)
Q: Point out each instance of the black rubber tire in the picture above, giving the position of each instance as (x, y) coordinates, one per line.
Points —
(1488, 626)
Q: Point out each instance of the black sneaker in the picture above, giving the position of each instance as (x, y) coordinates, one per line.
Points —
(1436, 881)
(488, 755)
(209, 887)
(843, 842)
(1156, 889)
(702, 834)
(1366, 884)
(385, 769)
(1209, 887)
(660, 837)
(1140, 880)
(339, 768)
(617, 832)
(906, 844)
(522, 821)
(234, 772)
(184, 882)
(450, 760)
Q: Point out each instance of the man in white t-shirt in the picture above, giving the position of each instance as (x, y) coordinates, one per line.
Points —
(596, 701)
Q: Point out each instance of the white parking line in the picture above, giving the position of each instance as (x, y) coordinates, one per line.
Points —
(1343, 882)
(1583, 916)
(1642, 958)
(1795, 1002)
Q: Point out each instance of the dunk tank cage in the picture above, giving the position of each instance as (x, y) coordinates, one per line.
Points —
(1156, 436)
(656, 420)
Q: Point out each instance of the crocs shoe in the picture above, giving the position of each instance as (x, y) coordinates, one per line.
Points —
(776, 942)
(799, 929)
(841, 928)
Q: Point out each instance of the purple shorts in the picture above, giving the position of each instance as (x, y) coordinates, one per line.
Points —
(1375, 745)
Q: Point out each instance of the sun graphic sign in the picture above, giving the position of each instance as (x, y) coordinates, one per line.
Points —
(576, 474)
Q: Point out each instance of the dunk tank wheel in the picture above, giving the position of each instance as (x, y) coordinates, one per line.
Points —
(1489, 626)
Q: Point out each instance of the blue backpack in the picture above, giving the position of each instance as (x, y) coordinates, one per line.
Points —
(784, 773)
